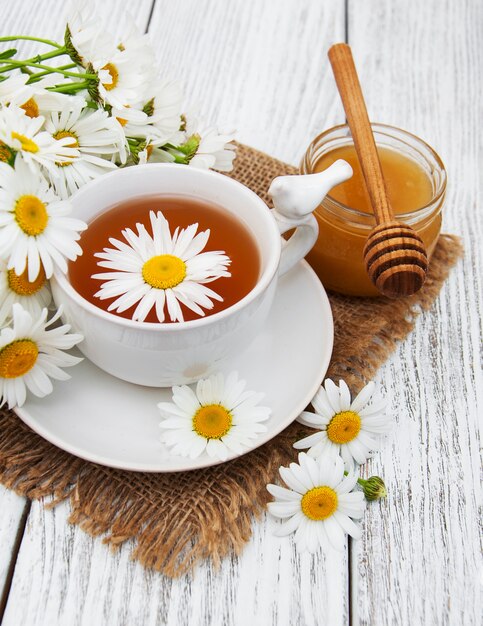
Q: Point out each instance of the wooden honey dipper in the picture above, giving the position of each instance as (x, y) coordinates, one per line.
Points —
(395, 256)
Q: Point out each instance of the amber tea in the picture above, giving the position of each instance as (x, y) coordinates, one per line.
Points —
(227, 234)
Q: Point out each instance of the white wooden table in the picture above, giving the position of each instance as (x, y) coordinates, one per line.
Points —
(261, 66)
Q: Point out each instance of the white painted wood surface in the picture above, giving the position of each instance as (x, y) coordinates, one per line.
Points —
(261, 67)
(12, 510)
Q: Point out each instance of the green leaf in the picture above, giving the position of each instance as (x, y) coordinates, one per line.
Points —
(148, 108)
(69, 46)
(8, 54)
(190, 146)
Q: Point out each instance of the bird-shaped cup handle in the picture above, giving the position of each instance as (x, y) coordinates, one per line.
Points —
(294, 200)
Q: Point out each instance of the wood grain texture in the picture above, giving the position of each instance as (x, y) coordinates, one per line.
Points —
(63, 576)
(261, 67)
(47, 19)
(420, 65)
(12, 510)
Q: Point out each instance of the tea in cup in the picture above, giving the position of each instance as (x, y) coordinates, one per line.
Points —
(242, 228)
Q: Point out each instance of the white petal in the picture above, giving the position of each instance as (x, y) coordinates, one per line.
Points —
(333, 395)
(283, 509)
(345, 396)
(347, 525)
(335, 534)
(313, 420)
(283, 494)
(363, 397)
(309, 441)
(291, 481)
(288, 527)
(321, 404)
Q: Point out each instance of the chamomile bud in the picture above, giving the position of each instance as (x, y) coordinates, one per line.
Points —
(374, 488)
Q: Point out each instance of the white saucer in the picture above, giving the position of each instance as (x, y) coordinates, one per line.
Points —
(105, 420)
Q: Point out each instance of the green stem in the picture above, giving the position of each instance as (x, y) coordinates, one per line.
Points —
(37, 59)
(361, 481)
(35, 77)
(70, 88)
(27, 38)
(51, 69)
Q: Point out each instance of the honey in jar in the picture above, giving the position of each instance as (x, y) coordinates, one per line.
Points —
(415, 180)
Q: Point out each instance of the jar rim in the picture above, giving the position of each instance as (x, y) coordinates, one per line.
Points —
(378, 127)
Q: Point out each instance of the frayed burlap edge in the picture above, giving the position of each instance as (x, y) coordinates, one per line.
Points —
(178, 519)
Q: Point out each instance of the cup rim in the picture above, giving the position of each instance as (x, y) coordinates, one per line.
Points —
(381, 127)
(261, 285)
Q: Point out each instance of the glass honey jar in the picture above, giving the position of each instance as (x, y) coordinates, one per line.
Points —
(416, 183)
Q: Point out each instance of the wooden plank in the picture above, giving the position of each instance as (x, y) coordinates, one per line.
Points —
(62, 574)
(421, 69)
(47, 19)
(13, 509)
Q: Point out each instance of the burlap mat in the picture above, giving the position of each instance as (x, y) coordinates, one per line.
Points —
(178, 519)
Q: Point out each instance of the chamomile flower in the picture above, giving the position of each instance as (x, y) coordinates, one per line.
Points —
(319, 505)
(160, 269)
(121, 80)
(124, 68)
(162, 108)
(219, 417)
(33, 296)
(346, 428)
(31, 354)
(93, 134)
(35, 226)
(211, 149)
(84, 30)
(35, 99)
(13, 90)
(24, 136)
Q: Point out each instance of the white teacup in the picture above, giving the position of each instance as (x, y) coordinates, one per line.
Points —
(162, 355)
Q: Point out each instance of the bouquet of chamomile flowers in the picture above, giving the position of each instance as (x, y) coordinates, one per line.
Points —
(67, 115)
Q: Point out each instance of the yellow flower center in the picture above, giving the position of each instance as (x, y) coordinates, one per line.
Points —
(5, 153)
(149, 150)
(21, 284)
(212, 421)
(31, 215)
(31, 108)
(27, 145)
(112, 69)
(60, 134)
(18, 358)
(164, 271)
(344, 427)
(319, 503)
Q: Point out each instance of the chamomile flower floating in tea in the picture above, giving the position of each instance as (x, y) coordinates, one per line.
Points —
(158, 270)
(33, 296)
(220, 416)
(320, 503)
(31, 354)
(346, 428)
(35, 226)
(95, 135)
(24, 136)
